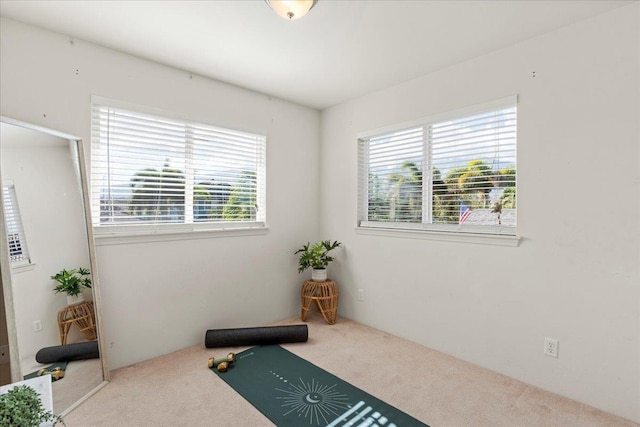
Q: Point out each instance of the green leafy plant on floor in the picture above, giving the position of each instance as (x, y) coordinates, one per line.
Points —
(21, 407)
(316, 255)
(71, 282)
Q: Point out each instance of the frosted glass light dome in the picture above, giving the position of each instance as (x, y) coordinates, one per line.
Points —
(291, 9)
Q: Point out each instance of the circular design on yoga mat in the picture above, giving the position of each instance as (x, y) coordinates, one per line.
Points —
(313, 398)
(314, 401)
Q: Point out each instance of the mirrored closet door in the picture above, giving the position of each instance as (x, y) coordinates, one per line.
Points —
(47, 230)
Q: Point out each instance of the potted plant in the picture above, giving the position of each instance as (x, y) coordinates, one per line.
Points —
(316, 256)
(72, 282)
(21, 407)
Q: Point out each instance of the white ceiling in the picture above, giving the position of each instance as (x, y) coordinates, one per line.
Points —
(339, 51)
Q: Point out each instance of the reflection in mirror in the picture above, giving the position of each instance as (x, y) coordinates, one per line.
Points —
(45, 226)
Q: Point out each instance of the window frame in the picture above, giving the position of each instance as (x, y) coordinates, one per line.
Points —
(106, 234)
(491, 235)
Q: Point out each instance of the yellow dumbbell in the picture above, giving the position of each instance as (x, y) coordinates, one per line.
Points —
(56, 373)
(222, 364)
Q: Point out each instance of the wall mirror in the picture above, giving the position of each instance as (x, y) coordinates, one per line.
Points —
(46, 228)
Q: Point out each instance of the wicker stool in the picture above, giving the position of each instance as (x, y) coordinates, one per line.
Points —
(325, 294)
(81, 315)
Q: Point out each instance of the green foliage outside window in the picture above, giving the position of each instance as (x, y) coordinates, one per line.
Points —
(161, 193)
(399, 198)
(158, 193)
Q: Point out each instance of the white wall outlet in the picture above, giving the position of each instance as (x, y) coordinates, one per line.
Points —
(37, 326)
(360, 294)
(551, 347)
(4, 354)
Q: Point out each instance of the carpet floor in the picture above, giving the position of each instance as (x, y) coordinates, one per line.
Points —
(179, 390)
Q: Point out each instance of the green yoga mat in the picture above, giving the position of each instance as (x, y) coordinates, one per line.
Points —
(61, 365)
(291, 391)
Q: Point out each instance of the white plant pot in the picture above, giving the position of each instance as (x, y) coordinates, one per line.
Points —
(75, 299)
(319, 274)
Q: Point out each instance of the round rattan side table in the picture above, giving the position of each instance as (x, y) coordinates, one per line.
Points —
(81, 315)
(325, 294)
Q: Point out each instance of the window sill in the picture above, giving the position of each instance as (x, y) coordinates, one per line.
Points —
(131, 237)
(443, 236)
(17, 269)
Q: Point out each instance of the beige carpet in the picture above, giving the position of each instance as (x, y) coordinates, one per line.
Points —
(179, 390)
(80, 377)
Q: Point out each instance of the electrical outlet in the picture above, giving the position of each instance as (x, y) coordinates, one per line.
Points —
(4, 354)
(37, 326)
(360, 294)
(550, 347)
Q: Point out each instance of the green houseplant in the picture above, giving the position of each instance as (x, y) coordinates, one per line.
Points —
(21, 407)
(316, 256)
(72, 282)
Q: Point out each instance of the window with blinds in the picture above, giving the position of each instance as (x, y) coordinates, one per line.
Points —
(149, 171)
(18, 252)
(455, 172)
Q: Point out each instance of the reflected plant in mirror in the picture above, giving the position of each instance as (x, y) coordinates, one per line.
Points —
(72, 282)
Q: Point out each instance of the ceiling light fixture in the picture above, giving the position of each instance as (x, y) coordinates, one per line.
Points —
(291, 9)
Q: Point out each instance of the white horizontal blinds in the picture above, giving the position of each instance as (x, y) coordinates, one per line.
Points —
(454, 172)
(363, 181)
(394, 176)
(138, 163)
(474, 163)
(154, 170)
(18, 252)
(227, 168)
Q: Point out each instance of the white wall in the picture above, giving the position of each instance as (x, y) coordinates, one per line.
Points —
(5, 368)
(575, 275)
(49, 198)
(160, 297)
